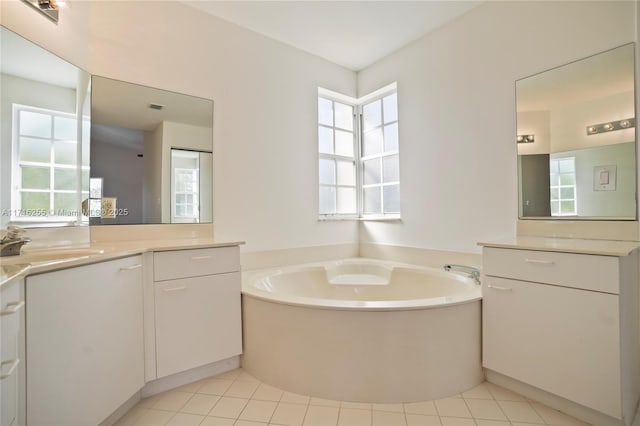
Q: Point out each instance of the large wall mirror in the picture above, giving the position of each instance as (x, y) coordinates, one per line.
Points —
(151, 155)
(576, 140)
(44, 138)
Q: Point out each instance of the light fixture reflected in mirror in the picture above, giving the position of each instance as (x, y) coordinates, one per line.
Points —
(48, 8)
(525, 138)
(610, 126)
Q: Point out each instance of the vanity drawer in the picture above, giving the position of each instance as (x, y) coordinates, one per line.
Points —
(168, 265)
(589, 272)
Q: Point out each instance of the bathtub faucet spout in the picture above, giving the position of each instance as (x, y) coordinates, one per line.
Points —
(473, 272)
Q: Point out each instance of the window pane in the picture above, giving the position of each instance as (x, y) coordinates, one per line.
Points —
(566, 193)
(567, 179)
(555, 207)
(372, 171)
(344, 116)
(372, 115)
(85, 181)
(372, 143)
(390, 169)
(35, 177)
(390, 106)
(555, 194)
(86, 142)
(64, 128)
(64, 204)
(327, 172)
(38, 150)
(391, 195)
(64, 179)
(553, 167)
(344, 143)
(64, 152)
(325, 111)
(181, 210)
(567, 206)
(346, 173)
(391, 137)
(372, 202)
(327, 200)
(554, 178)
(566, 165)
(35, 200)
(35, 124)
(325, 140)
(346, 200)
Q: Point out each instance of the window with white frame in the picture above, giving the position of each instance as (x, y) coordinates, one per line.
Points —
(358, 155)
(563, 186)
(46, 165)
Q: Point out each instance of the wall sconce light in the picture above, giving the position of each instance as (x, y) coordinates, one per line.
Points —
(611, 126)
(48, 8)
(525, 138)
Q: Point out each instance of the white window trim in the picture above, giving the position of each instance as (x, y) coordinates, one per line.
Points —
(357, 104)
(559, 186)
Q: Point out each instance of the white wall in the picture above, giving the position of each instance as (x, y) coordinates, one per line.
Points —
(456, 94)
(265, 93)
(152, 180)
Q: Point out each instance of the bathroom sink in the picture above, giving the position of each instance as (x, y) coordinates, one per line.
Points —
(49, 255)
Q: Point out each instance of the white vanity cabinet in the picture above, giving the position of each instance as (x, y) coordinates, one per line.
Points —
(12, 359)
(84, 341)
(566, 323)
(197, 307)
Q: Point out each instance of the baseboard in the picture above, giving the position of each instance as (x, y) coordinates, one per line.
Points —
(179, 379)
(122, 410)
(561, 404)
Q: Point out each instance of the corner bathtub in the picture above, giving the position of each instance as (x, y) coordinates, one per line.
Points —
(362, 330)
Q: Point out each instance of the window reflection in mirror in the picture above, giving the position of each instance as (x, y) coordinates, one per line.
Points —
(134, 130)
(44, 141)
(191, 177)
(582, 119)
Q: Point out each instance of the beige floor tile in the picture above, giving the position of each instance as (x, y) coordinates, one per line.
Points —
(524, 424)
(154, 418)
(485, 409)
(324, 402)
(391, 408)
(267, 393)
(479, 392)
(191, 387)
(230, 375)
(457, 421)
(388, 418)
(131, 416)
(249, 423)
(217, 421)
(148, 401)
(426, 408)
(171, 401)
(357, 405)
(200, 404)
(420, 420)
(452, 407)
(215, 386)
(502, 394)
(294, 398)
(555, 417)
(517, 411)
(354, 417)
(244, 376)
(228, 407)
(242, 389)
(258, 411)
(289, 414)
(321, 416)
(185, 419)
(482, 422)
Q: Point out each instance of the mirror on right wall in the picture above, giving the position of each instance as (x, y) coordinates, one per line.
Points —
(576, 140)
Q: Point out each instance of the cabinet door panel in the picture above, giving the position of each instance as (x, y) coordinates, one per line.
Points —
(197, 321)
(84, 342)
(12, 353)
(562, 340)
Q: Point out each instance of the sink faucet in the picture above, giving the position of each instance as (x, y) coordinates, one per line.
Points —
(12, 241)
(473, 272)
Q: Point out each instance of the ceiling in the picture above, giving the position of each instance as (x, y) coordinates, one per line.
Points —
(354, 34)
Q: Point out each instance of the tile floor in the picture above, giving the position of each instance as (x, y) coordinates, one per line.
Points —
(236, 398)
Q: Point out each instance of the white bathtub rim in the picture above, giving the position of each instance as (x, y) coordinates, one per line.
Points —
(376, 305)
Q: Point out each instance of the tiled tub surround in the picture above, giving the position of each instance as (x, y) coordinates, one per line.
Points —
(237, 398)
(383, 332)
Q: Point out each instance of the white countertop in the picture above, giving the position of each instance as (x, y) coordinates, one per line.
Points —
(566, 245)
(11, 267)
